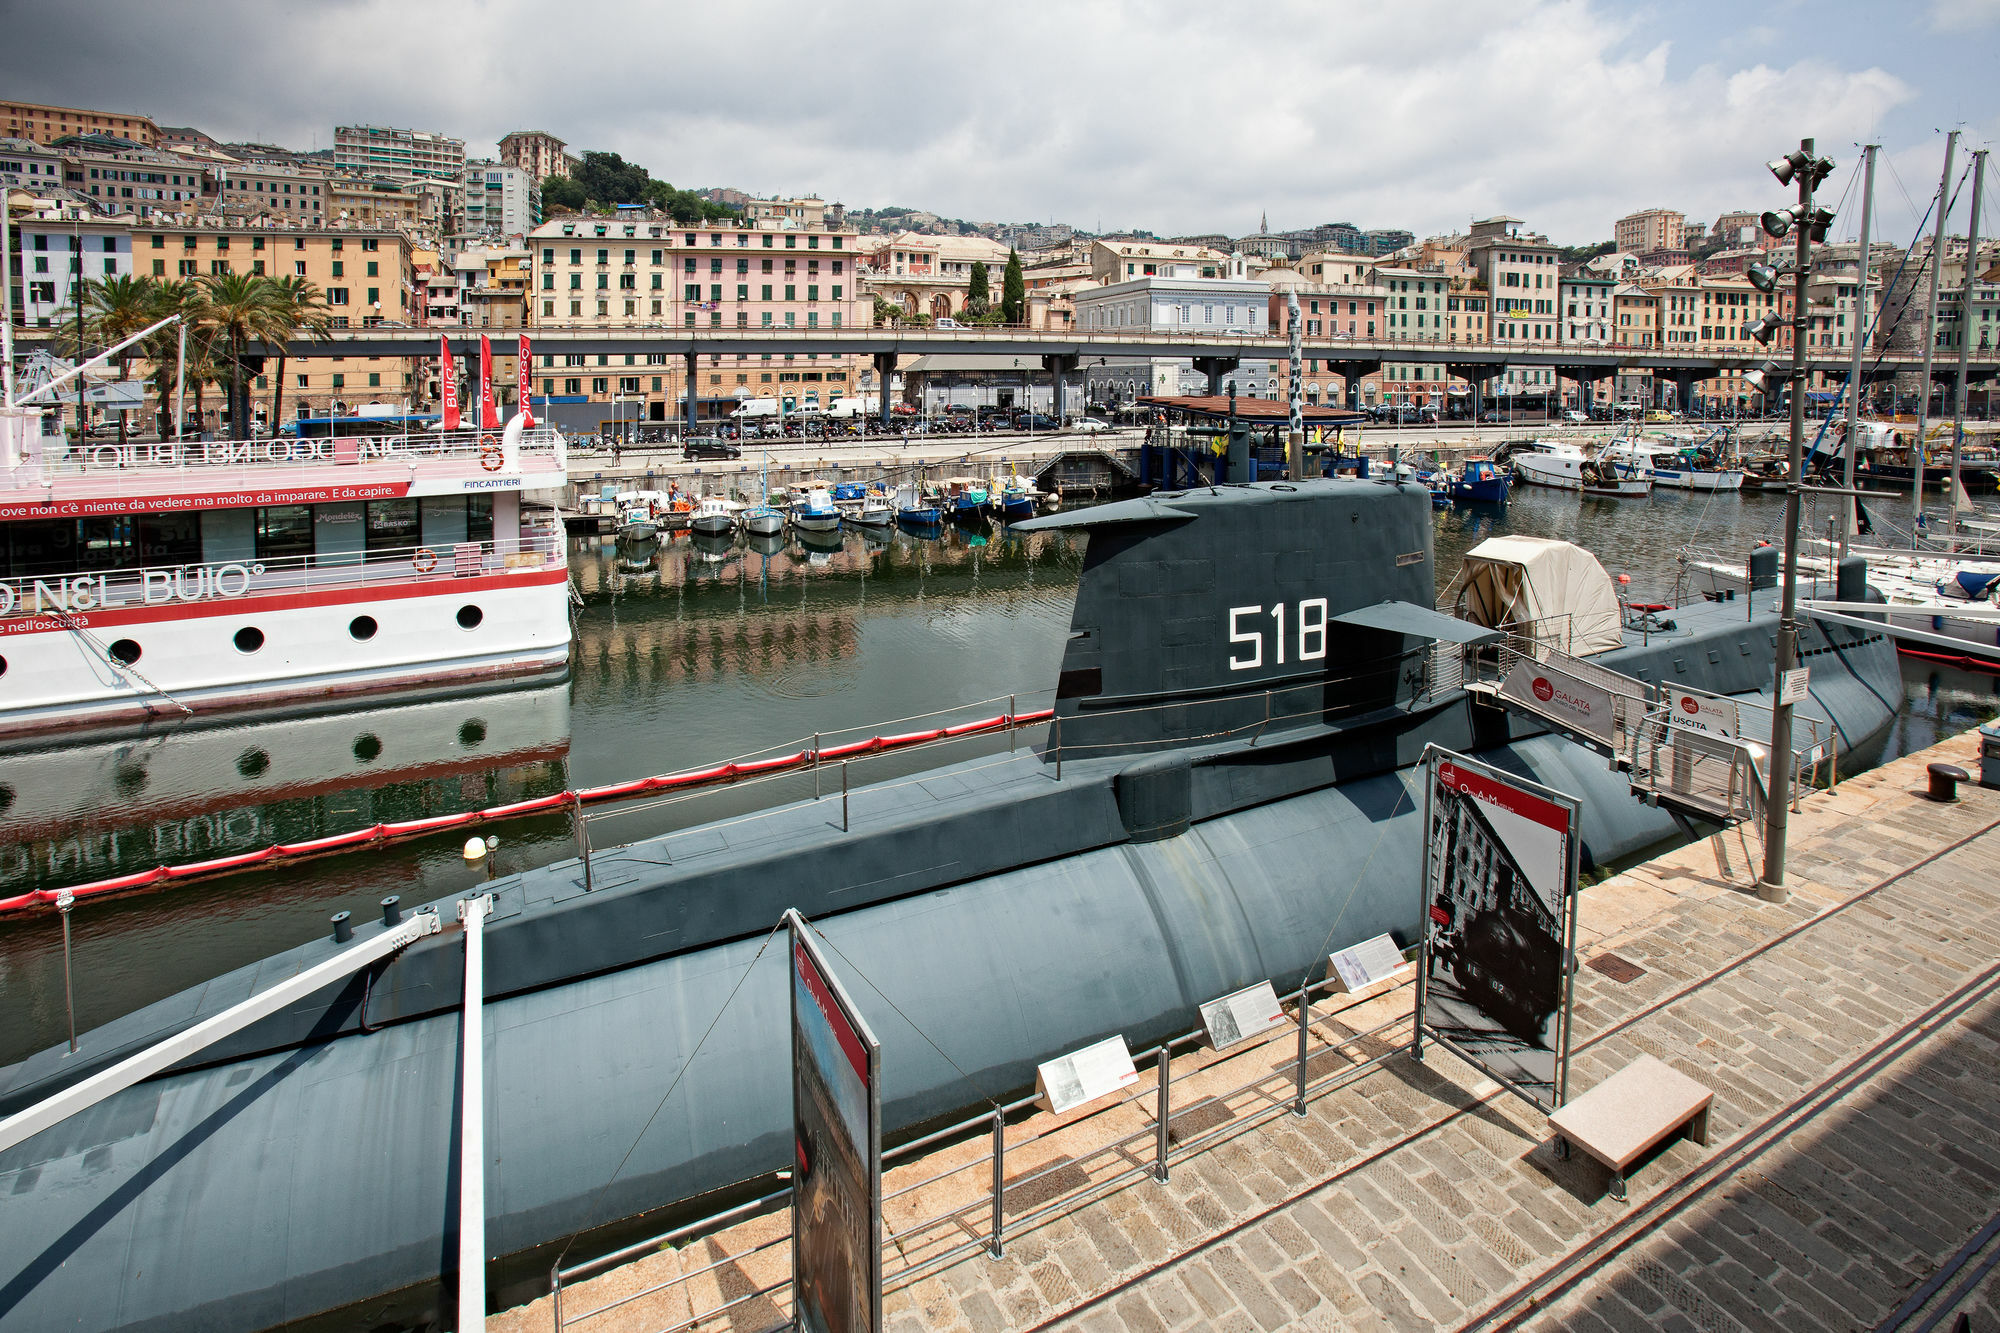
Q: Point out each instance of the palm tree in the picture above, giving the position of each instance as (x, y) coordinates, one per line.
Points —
(235, 310)
(170, 297)
(118, 308)
(303, 310)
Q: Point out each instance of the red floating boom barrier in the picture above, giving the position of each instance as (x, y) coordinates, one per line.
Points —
(378, 834)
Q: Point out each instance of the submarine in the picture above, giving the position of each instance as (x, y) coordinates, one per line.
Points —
(1229, 787)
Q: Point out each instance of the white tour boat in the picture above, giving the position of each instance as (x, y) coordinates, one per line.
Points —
(157, 579)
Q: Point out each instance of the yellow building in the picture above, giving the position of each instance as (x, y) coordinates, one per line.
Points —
(44, 123)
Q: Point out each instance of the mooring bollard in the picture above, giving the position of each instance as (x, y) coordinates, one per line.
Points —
(1944, 781)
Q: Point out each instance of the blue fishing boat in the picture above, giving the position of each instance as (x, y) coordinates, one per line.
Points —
(915, 508)
(1480, 481)
(815, 513)
(1015, 500)
(966, 497)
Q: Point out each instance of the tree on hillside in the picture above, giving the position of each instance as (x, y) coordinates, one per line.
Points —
(608, 178)
(560, 194)
(977, 295)
(1014, 291)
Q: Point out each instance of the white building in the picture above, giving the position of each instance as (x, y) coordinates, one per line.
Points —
(501, 200)
(28, 165)
(1228, 304)
(56, 252)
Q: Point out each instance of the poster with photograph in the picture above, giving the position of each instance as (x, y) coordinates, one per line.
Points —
(837, 1134)
(1501, 866)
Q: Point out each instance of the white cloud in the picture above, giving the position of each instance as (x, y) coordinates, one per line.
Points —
(1964, 15)
(1171, 114)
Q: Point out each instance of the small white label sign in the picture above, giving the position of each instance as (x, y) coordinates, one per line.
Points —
(1792, 686)
(1068, 1081)
(1368, 962)
(1700, 712)
(1241, 1015)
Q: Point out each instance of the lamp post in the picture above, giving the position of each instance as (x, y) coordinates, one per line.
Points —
(1811, 224)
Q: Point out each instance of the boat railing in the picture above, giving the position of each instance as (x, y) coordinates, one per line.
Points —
(146, 464)
(948, 1193)
(80, 592)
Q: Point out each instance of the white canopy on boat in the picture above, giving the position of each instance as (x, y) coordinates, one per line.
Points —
(1551, 590)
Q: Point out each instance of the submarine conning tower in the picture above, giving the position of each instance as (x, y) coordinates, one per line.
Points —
(1208, 613)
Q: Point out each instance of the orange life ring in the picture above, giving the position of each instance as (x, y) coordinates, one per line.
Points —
(490, 456)
(424, 561)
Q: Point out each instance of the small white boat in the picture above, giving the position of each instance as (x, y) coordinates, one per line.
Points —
(1669, 466)
(762, 520)
(817, 513)
(714, 516)
(873, 511)
(636, 524)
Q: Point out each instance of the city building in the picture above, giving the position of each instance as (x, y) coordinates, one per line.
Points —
(56, 251)
(930, 275)
(538, 153)
(261, 189)
(182, 138)
(500, 200)
(644, 268)
(45, 123)
(397, 154)
(1413, 303)
(1637, 315)
(807, 212)
(1650, 230)
(119, 175)
(1738, 230)
(1122, 260)
(1520, 271)
(30, 166)
(1586, 306)
(492, 286)
(1202, 291)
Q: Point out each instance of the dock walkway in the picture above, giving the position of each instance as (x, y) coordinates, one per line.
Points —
(1852, 1177)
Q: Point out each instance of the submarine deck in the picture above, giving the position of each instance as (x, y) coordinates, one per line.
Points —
(1852, 1037)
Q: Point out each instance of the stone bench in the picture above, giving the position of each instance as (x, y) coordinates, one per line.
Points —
(1626, 1115)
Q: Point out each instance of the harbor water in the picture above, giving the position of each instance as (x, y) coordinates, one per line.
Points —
(688, 652)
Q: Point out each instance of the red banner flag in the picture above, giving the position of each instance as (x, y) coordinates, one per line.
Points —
(489, 416)
(448, 383)
(523, 368)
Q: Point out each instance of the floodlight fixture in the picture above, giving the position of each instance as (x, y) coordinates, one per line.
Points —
(1762, 329)
(1778, 221)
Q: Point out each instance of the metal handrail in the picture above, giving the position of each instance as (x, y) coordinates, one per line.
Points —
(150, 457)
(993, 1121)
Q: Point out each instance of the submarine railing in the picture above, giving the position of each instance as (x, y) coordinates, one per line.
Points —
(397, 933)
(1295, 1087)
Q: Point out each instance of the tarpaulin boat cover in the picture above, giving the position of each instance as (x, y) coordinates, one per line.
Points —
(1552, 590)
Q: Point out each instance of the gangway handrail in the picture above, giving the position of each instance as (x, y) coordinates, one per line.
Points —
(54, 1109)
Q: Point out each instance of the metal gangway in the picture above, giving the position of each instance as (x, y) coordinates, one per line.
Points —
(1691, 752)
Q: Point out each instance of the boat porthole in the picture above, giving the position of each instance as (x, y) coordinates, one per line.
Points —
(3, 666)
(253, 762)
(362, 627)
(125, 651)
(249, 639)
(469, 616)
(367, 747)
(472, 733)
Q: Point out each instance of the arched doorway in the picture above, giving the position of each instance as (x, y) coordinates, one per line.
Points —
(941, 306)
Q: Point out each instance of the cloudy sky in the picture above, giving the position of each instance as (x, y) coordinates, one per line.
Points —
(1163, 114)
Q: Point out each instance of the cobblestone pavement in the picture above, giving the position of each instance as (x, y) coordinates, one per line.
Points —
(1415, 1199)
(1851, 1036)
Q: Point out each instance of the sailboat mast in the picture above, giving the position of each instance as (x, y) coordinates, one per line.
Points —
(1861, 324)
(1930, 336)
(1965, 325)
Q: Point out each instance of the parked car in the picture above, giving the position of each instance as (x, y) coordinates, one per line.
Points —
(1036, 421)
(1576, 417)
(707, 446)
(1090, 425)
(1492, 416)
(941, 322)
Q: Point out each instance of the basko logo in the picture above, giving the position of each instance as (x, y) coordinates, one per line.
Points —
(1543, 690)
(1690, 705)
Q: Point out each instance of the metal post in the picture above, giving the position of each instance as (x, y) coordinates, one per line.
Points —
(555, 1293)
(472, 1121)
(693, 372)
(843, 796)
(1930, 332)
(1850, 505)
(1771, 885)
(583, 841)
(180, 390)
(994, 1246)
(1305, 1032)
(1013, 724)
(64, 901)
(7, 304)
(1965, 326)
(1163, 1114)
(1056, 732)
(815, 765)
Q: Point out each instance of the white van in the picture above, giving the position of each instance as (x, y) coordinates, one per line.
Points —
(755, 407)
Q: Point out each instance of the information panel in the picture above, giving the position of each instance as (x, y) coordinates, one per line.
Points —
(1068, 1081)
(837, 1135)
(1500, 876)
(1241, 1015)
